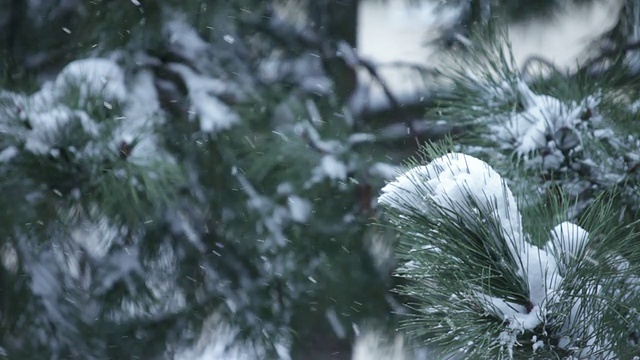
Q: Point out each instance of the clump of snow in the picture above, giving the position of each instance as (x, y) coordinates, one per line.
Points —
(375, 345)
(544, 122)
(7, 154)
(568, 242)
(285, 188)
(9, 257)
(329, 168)
(122, 265)
(142, 98)
(325, 146)
(214, 115)
(219, 340)
(185, 39)
(299, 208)
(572, 143)
(581, 335)
(96, 238)
(47, 123)
(141, 113)
(50, 113)
(333, 168)
(450, 181)
(94, 77)
(539, 344)
(541, 273)
(358, 138)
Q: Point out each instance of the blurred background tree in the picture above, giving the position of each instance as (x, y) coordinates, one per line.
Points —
(166, 163)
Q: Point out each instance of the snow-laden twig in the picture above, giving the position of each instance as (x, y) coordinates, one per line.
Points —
(469, 253)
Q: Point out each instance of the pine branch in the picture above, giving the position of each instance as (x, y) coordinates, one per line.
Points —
(482, 289)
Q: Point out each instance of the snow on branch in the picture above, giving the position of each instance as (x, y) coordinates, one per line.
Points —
(545, 122)
(471, 258)
(94, 77)
(448, 182)
(214, 115)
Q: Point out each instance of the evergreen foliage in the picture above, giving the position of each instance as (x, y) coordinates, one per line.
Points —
(164, 169)
(561, 130)
(487, 285)
(193, 179)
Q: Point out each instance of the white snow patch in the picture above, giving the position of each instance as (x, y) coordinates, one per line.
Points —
(325, 146)
(9, 257)
(333, 168)
(45, 285)
(358, 138)
(568, 242)
(284, 188)
(450, 181)
(542, 275)
(45, 125)
(185, 39)
(299, 208)
(372, 344)
(214, 115)
(96, 238)
(526, 322)
(537, 345)
(602, 134)
(580, 327)
(220, 340)
(142, 112)
(7, 154)
(95, 77)
(500, 307)
(329, 168)
(543, 281)
(142, 99)
(123, 264)
(542, 117)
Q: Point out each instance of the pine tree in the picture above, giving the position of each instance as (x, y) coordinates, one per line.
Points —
(531, 253)
(183, 179)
